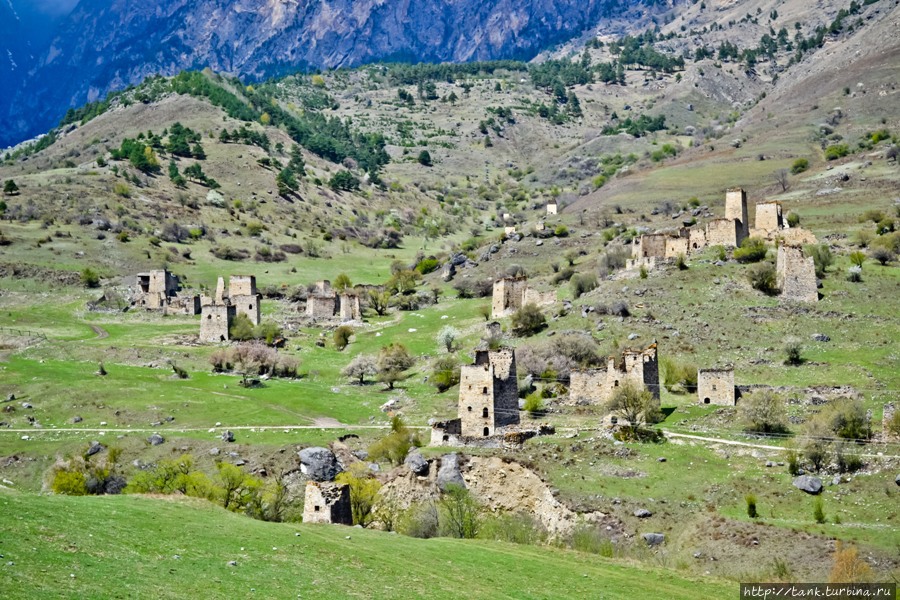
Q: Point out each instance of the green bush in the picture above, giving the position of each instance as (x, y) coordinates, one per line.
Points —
(751, 506)
(581, 284)
(427, 265)
(561, 231)
(836, 151)
(763, 412)
(445, 373)
(341, 336)
(70, 483)
(822, 258)
(818, 511)
(528, 320)
(90, 278)
(793, 219)
(753, 249)
(762, 277)
(800, 165)
(534, 404)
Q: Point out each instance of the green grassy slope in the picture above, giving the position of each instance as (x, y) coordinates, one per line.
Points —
(133, 547)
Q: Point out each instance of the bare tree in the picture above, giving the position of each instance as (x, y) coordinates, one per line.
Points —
(781, 178)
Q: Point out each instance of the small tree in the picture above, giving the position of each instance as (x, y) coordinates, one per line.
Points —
(396, 445)
(800, 165)
(342, 283)
(751, 506)
(763, 412)
(445, 373)
(848, 567)
(781, 178)
(363, 490)
(633, 404)
(528, 320)
(425, 158)
(447, 337)
(818, 511)
(378, 300)
(392, 361)
(459, 513)
(762, 277)
(793, 352)
(359, 367)
(822, 258)
(341, 336)
(857, 258)
(242, 328)
(10, 188)
(753, 249)
(881, 255)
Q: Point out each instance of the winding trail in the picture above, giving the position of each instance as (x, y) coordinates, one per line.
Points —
(749, 445)
(102, 334)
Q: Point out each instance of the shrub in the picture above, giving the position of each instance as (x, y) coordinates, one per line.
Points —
(363, 491)
(818, 511)
(763, 412)
(881, 255)
(242, 328)
(822, 258)
(751, 506)
(854, 274)
(793, 462)
(447, 336)
(534, 404)
(341, 336)
(581, 284)
(836, 151)
(588, 538)
(122, 189)
(753, 249)
(681, 263)
(420, 521)
(679, 375)
(515, 528)
(396, 445)
(445, 373)
(847, 462)
(800, 165)
(90, 278)
(848, 419)
(392, 361)
(528, 320)
(459, 513)
(561, 231)
(70, 483)
(816, 448)
(634, 404)
(793, 219)
(848, 567)
(762, 277)
(344, 180)
(425, 158)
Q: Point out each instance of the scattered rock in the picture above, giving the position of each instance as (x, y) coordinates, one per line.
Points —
(449, 473)
(318, 464)
(809, 484)
(654, 539)
(769, 463)
(661, 459)
(95, 447)
(897, 479)
(26, 405)
(156, 439)
(232, 563)
(77, 419)
(416, 463)
(821, 337)
(213, 451)
(642, 513)
(227, 436)
(836, 480)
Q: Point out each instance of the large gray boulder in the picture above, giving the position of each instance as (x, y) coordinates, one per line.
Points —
(449, 473)
(95, 447)
(227, 436)
(809, 484)
(156, 439)
(642, 513)
(654, 539)
(319, 464)
(416, 463)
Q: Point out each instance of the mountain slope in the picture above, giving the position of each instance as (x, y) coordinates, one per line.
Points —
(106, 45)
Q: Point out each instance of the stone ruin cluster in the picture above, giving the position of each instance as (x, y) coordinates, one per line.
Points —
(596, 386)
(324, 303)
(218, 313)
(795, 272)
(512, 293)
(159, 291)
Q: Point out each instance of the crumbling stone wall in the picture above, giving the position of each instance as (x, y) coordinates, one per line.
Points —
(552, 208)
(736, 210)
(697, 238)
(242, 285)
(215, 322)
(676, 245)
(247, 305)
(768, 216)
(348, 307)
(796, 275)
(724, 232)
(533, 296)
(327, 502)
(596, 386)
(158, 290)
(716, 386)
(507, 296)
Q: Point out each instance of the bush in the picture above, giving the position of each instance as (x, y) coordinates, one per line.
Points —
(425, 158)
(363, 491)
(445, 373)
(447, 336)
(427, 265)
(341, 336)
(515, 528)
(793, 219)
(822, 258)
(459, 513)
(359, 367)
(792, 353)
(392, 361)
(848, 567)
(534, 404)
(70, 483)
(634, 404)
(581, 284)
(528, 320)
(681, 263)
(848, 419)
(561, 231)
(818, 511)
(753, 249)
(763, 412)
(881, 255)
(751, 506)
(680, 375)
(90, 278)
(762, 277)
(854, 274)
(836, 151)
(800, 165)
(396, 445)
(344, 180)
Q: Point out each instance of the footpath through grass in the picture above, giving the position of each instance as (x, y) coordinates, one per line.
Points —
(137, 547)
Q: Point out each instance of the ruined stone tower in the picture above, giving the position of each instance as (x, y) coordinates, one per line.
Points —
(716, 386)
(507, 297)
(327, 502)
(795, 275)
(215, 322)
(244, 297)
(769, 217)
(488, 393)
(736, 210)
(596, 386)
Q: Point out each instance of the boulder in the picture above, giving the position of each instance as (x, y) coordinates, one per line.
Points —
(642, 513)
(94, 448)
(77, 419)
(449, 473)
(820, 337)
(654, 539)
(156, 439)
(227, 436)
(213, 451)
(808, 484)
(318, 464)
(416, 463)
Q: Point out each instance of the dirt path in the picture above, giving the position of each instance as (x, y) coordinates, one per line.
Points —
(326, 424)
(102, 334)
(749, 445)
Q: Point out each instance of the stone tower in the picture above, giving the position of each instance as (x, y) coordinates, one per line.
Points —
(716, 386)
(488, 393)
(795, 275)
(507, 296)
(244, 297)
(736, 210)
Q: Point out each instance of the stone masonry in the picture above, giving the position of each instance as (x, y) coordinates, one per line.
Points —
(716, 386)
(736, 210)
(512, 293)
(488, 393)
(795, 275)
(596, 386)
(215, 322)
(325, 303)
(327, 502)
(158, 290)
(244, 297)
(769, 217)
(218, 313)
